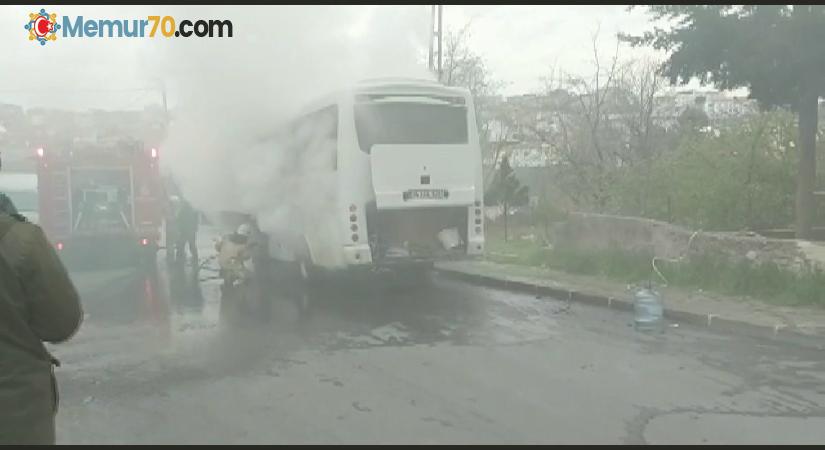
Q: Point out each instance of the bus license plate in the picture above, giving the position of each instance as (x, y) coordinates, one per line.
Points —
(425, 194)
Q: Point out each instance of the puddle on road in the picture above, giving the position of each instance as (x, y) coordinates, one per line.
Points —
(154, 322)
(172, 319)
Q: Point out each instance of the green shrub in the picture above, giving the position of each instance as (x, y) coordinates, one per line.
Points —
(710, 272)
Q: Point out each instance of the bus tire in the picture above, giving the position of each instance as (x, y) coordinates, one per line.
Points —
(310, 273)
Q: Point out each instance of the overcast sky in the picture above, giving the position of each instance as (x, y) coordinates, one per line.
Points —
(520, 44)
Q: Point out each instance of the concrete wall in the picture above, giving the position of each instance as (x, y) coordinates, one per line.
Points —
(600, 232)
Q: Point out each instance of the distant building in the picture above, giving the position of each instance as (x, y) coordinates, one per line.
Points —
(13, 124)
(719, 107)
(14, 129)
(94, 124)
(520, 125)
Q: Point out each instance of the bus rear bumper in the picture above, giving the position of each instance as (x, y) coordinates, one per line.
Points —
(361, 255)
(475, 247)
(419, 262)
(355, 255)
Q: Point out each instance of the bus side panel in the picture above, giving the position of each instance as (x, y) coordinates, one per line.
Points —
(355, 189)
(475, 233)
(316, 235)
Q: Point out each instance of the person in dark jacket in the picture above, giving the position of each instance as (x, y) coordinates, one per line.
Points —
(38, 303)
(6, 204)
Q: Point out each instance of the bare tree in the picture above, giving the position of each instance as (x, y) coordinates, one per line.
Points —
(463, 67)
(596, 124)
(585, 129)
(640, 84)
(498, 136)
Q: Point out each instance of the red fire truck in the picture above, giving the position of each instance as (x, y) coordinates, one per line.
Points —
(101, 202)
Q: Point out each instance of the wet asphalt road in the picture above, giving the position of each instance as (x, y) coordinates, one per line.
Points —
(450, 363)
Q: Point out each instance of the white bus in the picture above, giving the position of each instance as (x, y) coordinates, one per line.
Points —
(393, 171)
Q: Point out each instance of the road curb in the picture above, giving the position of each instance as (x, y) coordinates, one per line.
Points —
(709, 321)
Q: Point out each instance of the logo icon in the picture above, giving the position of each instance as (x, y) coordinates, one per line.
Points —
(42, 26)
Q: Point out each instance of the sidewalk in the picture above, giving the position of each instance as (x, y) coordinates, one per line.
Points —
(724, 313)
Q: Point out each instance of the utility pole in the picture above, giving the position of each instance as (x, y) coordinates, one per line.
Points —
(440, 17)
(430, 37)
(163, 94)
(435, 39)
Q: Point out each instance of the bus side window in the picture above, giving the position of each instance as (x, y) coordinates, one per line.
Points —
(297, 144)
(326, 120)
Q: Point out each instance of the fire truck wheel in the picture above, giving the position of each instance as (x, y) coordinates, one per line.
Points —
(147, 255)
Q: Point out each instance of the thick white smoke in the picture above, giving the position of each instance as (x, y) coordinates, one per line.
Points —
(229, 92)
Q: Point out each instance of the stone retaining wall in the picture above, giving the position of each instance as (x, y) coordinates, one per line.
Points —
(601, 232)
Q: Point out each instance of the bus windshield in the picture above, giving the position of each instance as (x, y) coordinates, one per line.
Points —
(410, 123)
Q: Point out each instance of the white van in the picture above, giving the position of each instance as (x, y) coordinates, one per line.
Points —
(21, 188)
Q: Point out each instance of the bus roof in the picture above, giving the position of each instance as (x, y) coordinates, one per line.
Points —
(390, 85)
(408, 85)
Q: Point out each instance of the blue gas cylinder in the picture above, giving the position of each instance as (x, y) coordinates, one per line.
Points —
(648, 310)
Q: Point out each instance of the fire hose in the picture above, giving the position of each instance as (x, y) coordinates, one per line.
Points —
(673, 260)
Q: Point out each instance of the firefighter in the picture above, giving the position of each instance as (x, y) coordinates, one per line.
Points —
(187, 232)
(171, 212)
(38, 303)
(234, 259)
(263, 287)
